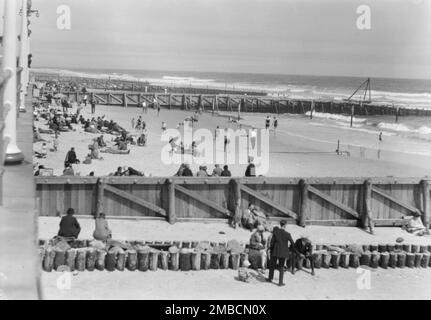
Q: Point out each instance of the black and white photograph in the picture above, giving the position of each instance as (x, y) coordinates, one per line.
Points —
(215, 150)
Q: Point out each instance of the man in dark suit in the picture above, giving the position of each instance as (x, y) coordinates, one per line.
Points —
(279, 250)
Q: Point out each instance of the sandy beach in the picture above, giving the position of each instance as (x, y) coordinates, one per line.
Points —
(327, 284)
(300, 147)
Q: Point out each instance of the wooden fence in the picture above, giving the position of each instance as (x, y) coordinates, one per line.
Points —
(326, 201)
(246, 103)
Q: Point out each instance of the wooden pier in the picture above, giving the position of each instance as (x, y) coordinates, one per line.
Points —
(244, 102)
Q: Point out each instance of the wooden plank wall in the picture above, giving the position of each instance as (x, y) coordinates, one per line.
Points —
(56, 194)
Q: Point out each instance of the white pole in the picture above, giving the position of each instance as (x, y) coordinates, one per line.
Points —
(23, 56)
(13, 153)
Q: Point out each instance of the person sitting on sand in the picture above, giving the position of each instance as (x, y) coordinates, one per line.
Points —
(186, 171)
(69, 226)
(36, 135)
(68, 170)
(119, 172)
(71, 157)
(87, 159)
(251, 169)
(37, 173)
(102, 231)
(101, 142)
(217, 171)
(132, 172)
(202, 172)
(142, 140)
(226, 172)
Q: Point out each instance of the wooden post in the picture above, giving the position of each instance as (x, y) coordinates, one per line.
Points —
(215, 260)
(352, 112)
(304, 203)
(367, 218)
(234, 260)
(317, 258)
(171, 205)
(426, 204)
(170, 101)
(124, 100)
(100, 196)
(393, 258)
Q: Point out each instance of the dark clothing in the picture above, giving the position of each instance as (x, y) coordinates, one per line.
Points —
(280, 243)
(274, 265)
(250, 171)
(93, 107)
(69, 227)
(187, 172)
(226, 173)
(70, 157)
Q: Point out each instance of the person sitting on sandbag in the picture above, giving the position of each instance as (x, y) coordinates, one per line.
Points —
(69, 226)
(257, 254)
(102, 231)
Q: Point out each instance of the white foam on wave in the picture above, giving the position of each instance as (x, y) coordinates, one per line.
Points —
(337, 117)
(397, 127)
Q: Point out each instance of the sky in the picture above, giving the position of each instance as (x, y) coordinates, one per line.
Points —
(311, 37)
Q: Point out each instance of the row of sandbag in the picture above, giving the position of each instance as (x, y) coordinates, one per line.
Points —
(140, 258)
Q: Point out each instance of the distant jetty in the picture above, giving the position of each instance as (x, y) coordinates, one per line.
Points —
(124, 93)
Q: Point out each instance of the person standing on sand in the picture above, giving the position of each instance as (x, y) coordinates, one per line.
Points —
(85, 99)
(275, 125)
(158, 109)
(380, 136)
(144, 107)
(133, 123)
(267, 122)
(93, 106)
(279, 251)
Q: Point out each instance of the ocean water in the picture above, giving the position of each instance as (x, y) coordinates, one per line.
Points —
(408, 93)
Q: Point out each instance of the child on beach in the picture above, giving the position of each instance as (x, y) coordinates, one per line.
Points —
(163, 126)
